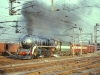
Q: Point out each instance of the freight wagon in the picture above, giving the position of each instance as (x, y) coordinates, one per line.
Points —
(8, 47)
(2, 48)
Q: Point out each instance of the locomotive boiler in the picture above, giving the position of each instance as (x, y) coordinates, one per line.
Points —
(35, 46)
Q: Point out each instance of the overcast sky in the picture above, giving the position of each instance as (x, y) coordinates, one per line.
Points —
(45, 22)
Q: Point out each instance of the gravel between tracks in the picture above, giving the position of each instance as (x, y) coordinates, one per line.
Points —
(44, 60)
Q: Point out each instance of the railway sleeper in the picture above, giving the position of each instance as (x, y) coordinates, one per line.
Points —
(65, 66)
(47, 70)
(68, 70)
(69, 67)
(78, 69)
(92, 72)
(87, 72)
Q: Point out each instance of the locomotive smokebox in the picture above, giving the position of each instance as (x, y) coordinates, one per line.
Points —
(27, 41)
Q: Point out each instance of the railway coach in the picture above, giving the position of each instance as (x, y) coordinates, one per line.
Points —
(86, 48)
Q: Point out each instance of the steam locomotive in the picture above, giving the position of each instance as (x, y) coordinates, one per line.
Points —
(35, 46)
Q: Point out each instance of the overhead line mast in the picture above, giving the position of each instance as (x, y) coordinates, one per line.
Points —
(12, 10)
(52, 7)
(16, 31)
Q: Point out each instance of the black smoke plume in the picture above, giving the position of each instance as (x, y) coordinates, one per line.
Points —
(41, 20)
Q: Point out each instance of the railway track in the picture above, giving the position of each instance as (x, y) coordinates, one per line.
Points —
(69, 67)
(65, 65)
(58, 66)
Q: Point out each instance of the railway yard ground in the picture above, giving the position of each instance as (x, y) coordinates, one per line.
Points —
(87, 64)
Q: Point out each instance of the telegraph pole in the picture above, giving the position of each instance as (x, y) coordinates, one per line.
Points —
(12, 9)
(73, 39)
(95, 35)
(73, 42)
(80, 41)
(52, 5)
(91, 38)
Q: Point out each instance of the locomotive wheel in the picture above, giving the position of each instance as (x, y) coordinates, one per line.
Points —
(0, 53)
(32, 56)
(47, 53)
(35, 54)
(5, 54)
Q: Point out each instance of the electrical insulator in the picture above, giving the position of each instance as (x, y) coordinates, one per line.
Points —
(17, 31)
(12, 12)
(12, 0)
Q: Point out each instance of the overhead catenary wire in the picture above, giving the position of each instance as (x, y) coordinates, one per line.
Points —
(58, 20)
(79, 9)
(74, 15)
(89, 5)
(49, 15)
(30, 6)
(83, 15)
(80, 13)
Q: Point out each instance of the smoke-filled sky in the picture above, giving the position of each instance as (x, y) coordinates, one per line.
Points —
(42, 18)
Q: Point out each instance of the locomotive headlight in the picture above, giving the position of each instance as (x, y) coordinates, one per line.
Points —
(28, 41)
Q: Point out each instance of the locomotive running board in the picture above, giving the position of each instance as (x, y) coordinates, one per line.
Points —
(9, 53)
(45, 46)
(12, 55)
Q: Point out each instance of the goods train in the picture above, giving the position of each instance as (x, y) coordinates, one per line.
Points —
(34, 47)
